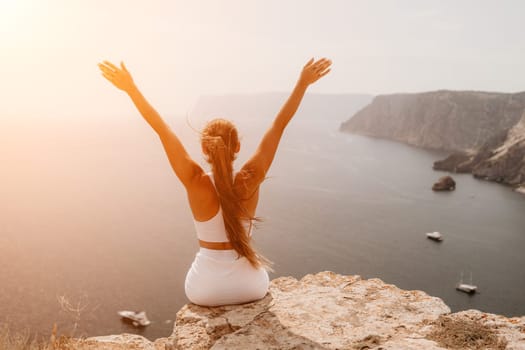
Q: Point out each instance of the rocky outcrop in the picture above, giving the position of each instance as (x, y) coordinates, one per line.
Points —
(445, 183)
(506, 162)
(456, 163)
(331, 311)
(485, 131)
(502, 159)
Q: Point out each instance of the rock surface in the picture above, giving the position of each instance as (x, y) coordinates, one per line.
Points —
(330, 311)
(485, 131)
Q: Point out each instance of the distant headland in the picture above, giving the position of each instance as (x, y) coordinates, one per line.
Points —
(483, 131)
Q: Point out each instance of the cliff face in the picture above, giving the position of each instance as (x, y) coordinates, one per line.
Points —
(446, 120)
(330, 311)
(484, 130)
(502, 159)
(506, 162)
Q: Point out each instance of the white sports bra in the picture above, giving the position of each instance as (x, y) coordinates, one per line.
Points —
(213, 230)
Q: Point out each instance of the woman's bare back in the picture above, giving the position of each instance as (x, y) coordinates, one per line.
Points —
(204, 200)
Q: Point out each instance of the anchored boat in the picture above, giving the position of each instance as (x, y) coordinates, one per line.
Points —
(138, 319)
(436, 236)
(468, 288)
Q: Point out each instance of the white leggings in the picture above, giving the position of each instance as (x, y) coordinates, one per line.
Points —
(219, 277)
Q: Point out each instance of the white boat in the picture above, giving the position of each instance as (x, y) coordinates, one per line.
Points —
(436, 236)
(137, 318)
(468, 288)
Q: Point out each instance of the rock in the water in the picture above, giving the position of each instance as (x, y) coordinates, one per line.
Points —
(446, 183)
(329, 311)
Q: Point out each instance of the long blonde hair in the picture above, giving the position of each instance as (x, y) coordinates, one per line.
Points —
(219, 141)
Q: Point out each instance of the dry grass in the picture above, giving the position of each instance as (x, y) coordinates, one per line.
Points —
(24, 340)
(16, 341)
(21, 340)
(10, 340)
(464, 333)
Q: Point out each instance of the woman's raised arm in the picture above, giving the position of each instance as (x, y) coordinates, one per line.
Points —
(257, 166)
(186, 169)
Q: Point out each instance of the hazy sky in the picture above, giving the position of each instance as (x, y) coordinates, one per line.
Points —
(178, 50)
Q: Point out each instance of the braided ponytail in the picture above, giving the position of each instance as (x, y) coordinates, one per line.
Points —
(219, 140)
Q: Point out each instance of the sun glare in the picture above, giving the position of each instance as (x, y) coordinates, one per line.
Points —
(18, 19)
(7, 13)
(10, 13)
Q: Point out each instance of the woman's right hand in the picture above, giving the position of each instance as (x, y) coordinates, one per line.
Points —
(119, 77)
(314, 71)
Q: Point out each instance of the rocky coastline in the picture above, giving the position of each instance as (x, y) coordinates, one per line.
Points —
(330, 311)
(483, 131)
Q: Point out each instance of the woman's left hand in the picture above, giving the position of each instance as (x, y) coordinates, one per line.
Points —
(120, 77)
(315, 70)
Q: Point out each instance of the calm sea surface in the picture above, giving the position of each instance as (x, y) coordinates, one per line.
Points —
(92, 221)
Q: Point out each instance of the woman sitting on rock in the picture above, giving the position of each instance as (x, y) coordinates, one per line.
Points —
(227, 269)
